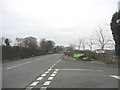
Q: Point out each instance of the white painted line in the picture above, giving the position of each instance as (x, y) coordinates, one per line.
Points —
(47, 72)
(49, 69)
(50, 78)
(34, 83)
(43, 75)
(81, 69)
(56, 63)
(17, 65)
(40, 78)
(114, 76)
(56, 69)
(47, 83)
(29, 88)
(53, 74)
(43, 88)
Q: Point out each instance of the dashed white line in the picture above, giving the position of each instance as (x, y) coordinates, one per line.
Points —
(49, 69)
(47, 83)
(56, 69)
(17, 65)
(43, 75)
(47, 72)
(50, 78)
(53, 74)
(114, 76)
(56, 63)
(34, 83)
(40, 78)
(43, 88)
(29, 88)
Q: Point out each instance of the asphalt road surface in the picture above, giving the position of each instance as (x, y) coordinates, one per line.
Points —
(52, 71)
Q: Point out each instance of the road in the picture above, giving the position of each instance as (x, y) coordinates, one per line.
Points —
(52, 71)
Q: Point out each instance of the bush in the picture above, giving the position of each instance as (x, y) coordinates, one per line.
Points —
(15, 52)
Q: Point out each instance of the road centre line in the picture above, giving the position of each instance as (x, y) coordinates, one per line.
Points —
(29, 88)
(114, 76)
(47, 72)
(56, 63)
(53, 74)
(50, 78)
(40, 78)
(43, 75)
(56, 69)
(17, 65)
(47, 83)
(49, 69)
(34, 83)
(43, 88)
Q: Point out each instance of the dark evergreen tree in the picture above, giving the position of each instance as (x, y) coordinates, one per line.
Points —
(115, 31)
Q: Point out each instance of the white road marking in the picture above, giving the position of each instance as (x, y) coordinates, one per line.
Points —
(49, 69)
(34, 83)
(43, 75)
(114, 76)
(56, 69)
(17, 65)
(40, 78)
(47, 83)
(53, 74)
(43, 88)
(47, 72)
(81, 69)
(56, 63)
(50, 78)
(29, 88)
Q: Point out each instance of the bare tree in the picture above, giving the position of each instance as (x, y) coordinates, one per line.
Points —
(79, 43)
(72, 46)
(101, 38)
(83, 43)
(90, 41)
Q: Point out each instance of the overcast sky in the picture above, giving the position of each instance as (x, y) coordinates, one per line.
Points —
(62, 21)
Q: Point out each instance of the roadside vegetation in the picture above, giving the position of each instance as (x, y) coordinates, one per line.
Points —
(27, 47)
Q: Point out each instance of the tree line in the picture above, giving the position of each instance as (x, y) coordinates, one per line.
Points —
(28, 47)
(101, 38)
